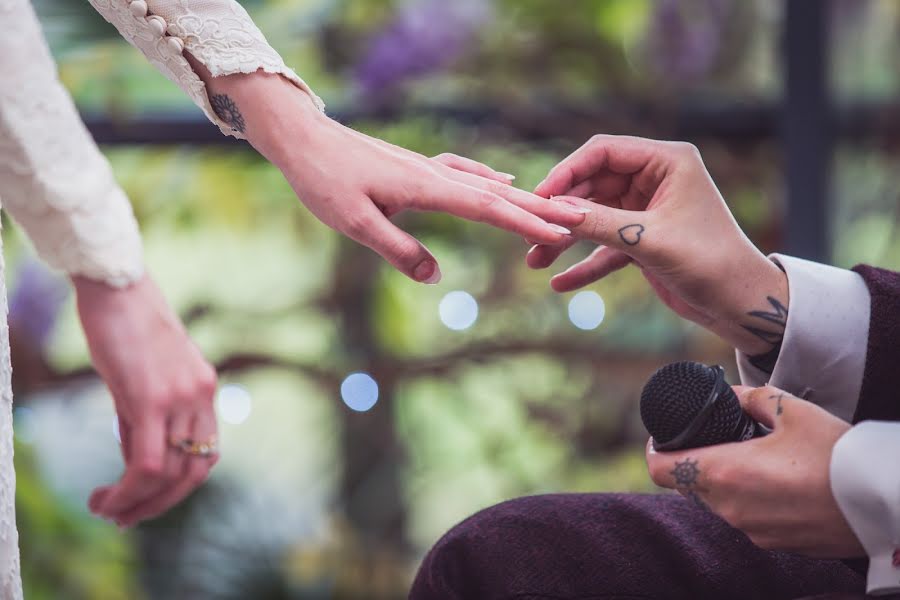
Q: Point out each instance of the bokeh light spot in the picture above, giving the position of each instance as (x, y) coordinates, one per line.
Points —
(458, 310)
(359, 391)
(233, 403)
(586, 310)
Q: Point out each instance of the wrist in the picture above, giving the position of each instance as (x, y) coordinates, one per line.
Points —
(757, 316)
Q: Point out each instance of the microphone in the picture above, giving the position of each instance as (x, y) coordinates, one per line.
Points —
(688, 405)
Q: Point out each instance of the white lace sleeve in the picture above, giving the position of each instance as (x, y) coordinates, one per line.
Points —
(218, 33)
(53, 179)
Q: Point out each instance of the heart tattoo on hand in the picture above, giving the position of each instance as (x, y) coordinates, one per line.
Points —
(631, 234)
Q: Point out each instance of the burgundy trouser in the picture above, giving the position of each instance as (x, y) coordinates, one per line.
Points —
(582, 546)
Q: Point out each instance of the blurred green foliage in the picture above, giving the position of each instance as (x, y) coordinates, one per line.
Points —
(521, 403)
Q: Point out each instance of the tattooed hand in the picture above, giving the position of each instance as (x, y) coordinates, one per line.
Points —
(775, 489)
(654, 204)
(355, 183)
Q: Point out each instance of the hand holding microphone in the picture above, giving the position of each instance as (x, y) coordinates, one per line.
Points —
(774, 484)
(688, 405)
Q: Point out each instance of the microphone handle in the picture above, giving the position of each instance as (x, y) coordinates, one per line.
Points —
(748, 428)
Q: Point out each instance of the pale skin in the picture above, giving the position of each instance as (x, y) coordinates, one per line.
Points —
(162, 387)
(775, 489)
(355, 183)
(654, 205)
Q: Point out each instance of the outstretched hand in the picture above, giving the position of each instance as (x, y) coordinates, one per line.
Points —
(163, 392)
(653, 204)
(355, 183)
(775, 489)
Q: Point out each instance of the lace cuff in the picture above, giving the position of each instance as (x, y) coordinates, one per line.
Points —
(218, 33)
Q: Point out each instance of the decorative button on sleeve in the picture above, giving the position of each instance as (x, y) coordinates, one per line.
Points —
(218, 33)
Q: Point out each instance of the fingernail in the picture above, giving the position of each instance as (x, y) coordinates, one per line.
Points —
(558, 229)
(427, 272)
(507, 176)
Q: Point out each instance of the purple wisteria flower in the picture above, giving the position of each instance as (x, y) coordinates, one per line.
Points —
(685, 37)
(36, 301)
(426, 36)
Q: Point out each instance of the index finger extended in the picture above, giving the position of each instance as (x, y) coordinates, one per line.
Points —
(624, 155)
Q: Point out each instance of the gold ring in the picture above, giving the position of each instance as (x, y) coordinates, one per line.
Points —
(194, 448)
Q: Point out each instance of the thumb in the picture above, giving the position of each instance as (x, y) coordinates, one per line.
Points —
(621, 229)
(766, 404)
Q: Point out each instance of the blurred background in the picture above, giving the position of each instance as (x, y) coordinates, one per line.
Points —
(362, 415)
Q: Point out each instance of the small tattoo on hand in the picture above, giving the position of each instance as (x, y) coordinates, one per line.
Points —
(631, 234)
(226, 109)
(686, 473)
(778, 407)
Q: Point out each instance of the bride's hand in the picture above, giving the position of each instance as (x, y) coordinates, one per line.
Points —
(355, 183)
(163, 389)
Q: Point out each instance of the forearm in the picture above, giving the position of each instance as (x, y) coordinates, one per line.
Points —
(272, 113)
(217, 34)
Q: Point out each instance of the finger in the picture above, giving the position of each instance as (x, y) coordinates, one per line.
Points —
(371, 228)
(195, 472)
(180, 429)
(145, 470)
(461, 200)
(617, 154)
(598, 265)
(467, 165)
(542, 256)
(767, 405)
(562, 213)
(614, 227)
(683, 469)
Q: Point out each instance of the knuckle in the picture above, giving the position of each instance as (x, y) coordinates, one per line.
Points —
(446, 158)
(357, 225)
(206, 382)
(149, 469)
(403, 250)
(487, 200)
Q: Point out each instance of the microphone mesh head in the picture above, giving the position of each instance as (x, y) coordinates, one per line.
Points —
(675, 394)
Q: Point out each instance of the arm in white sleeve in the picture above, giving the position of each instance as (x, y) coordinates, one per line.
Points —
(822, 359)
(823, 353)
(53, 179)
(865, 481)
(218, 33)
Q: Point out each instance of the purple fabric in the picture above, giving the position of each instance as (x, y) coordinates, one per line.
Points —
(589, 546)
(879, 398)
(592, 546)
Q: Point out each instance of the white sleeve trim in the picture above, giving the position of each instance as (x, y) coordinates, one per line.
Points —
(865, 481)
(823, 354)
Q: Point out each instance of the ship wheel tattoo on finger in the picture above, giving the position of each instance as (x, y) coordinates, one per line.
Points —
(686, 473)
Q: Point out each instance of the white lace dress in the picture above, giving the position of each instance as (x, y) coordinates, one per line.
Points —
(55, 183)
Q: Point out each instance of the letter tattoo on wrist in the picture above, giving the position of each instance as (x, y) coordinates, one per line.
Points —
(226, 109)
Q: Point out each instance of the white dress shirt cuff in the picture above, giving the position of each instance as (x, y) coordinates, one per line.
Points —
(866, 485)
(823, 353)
